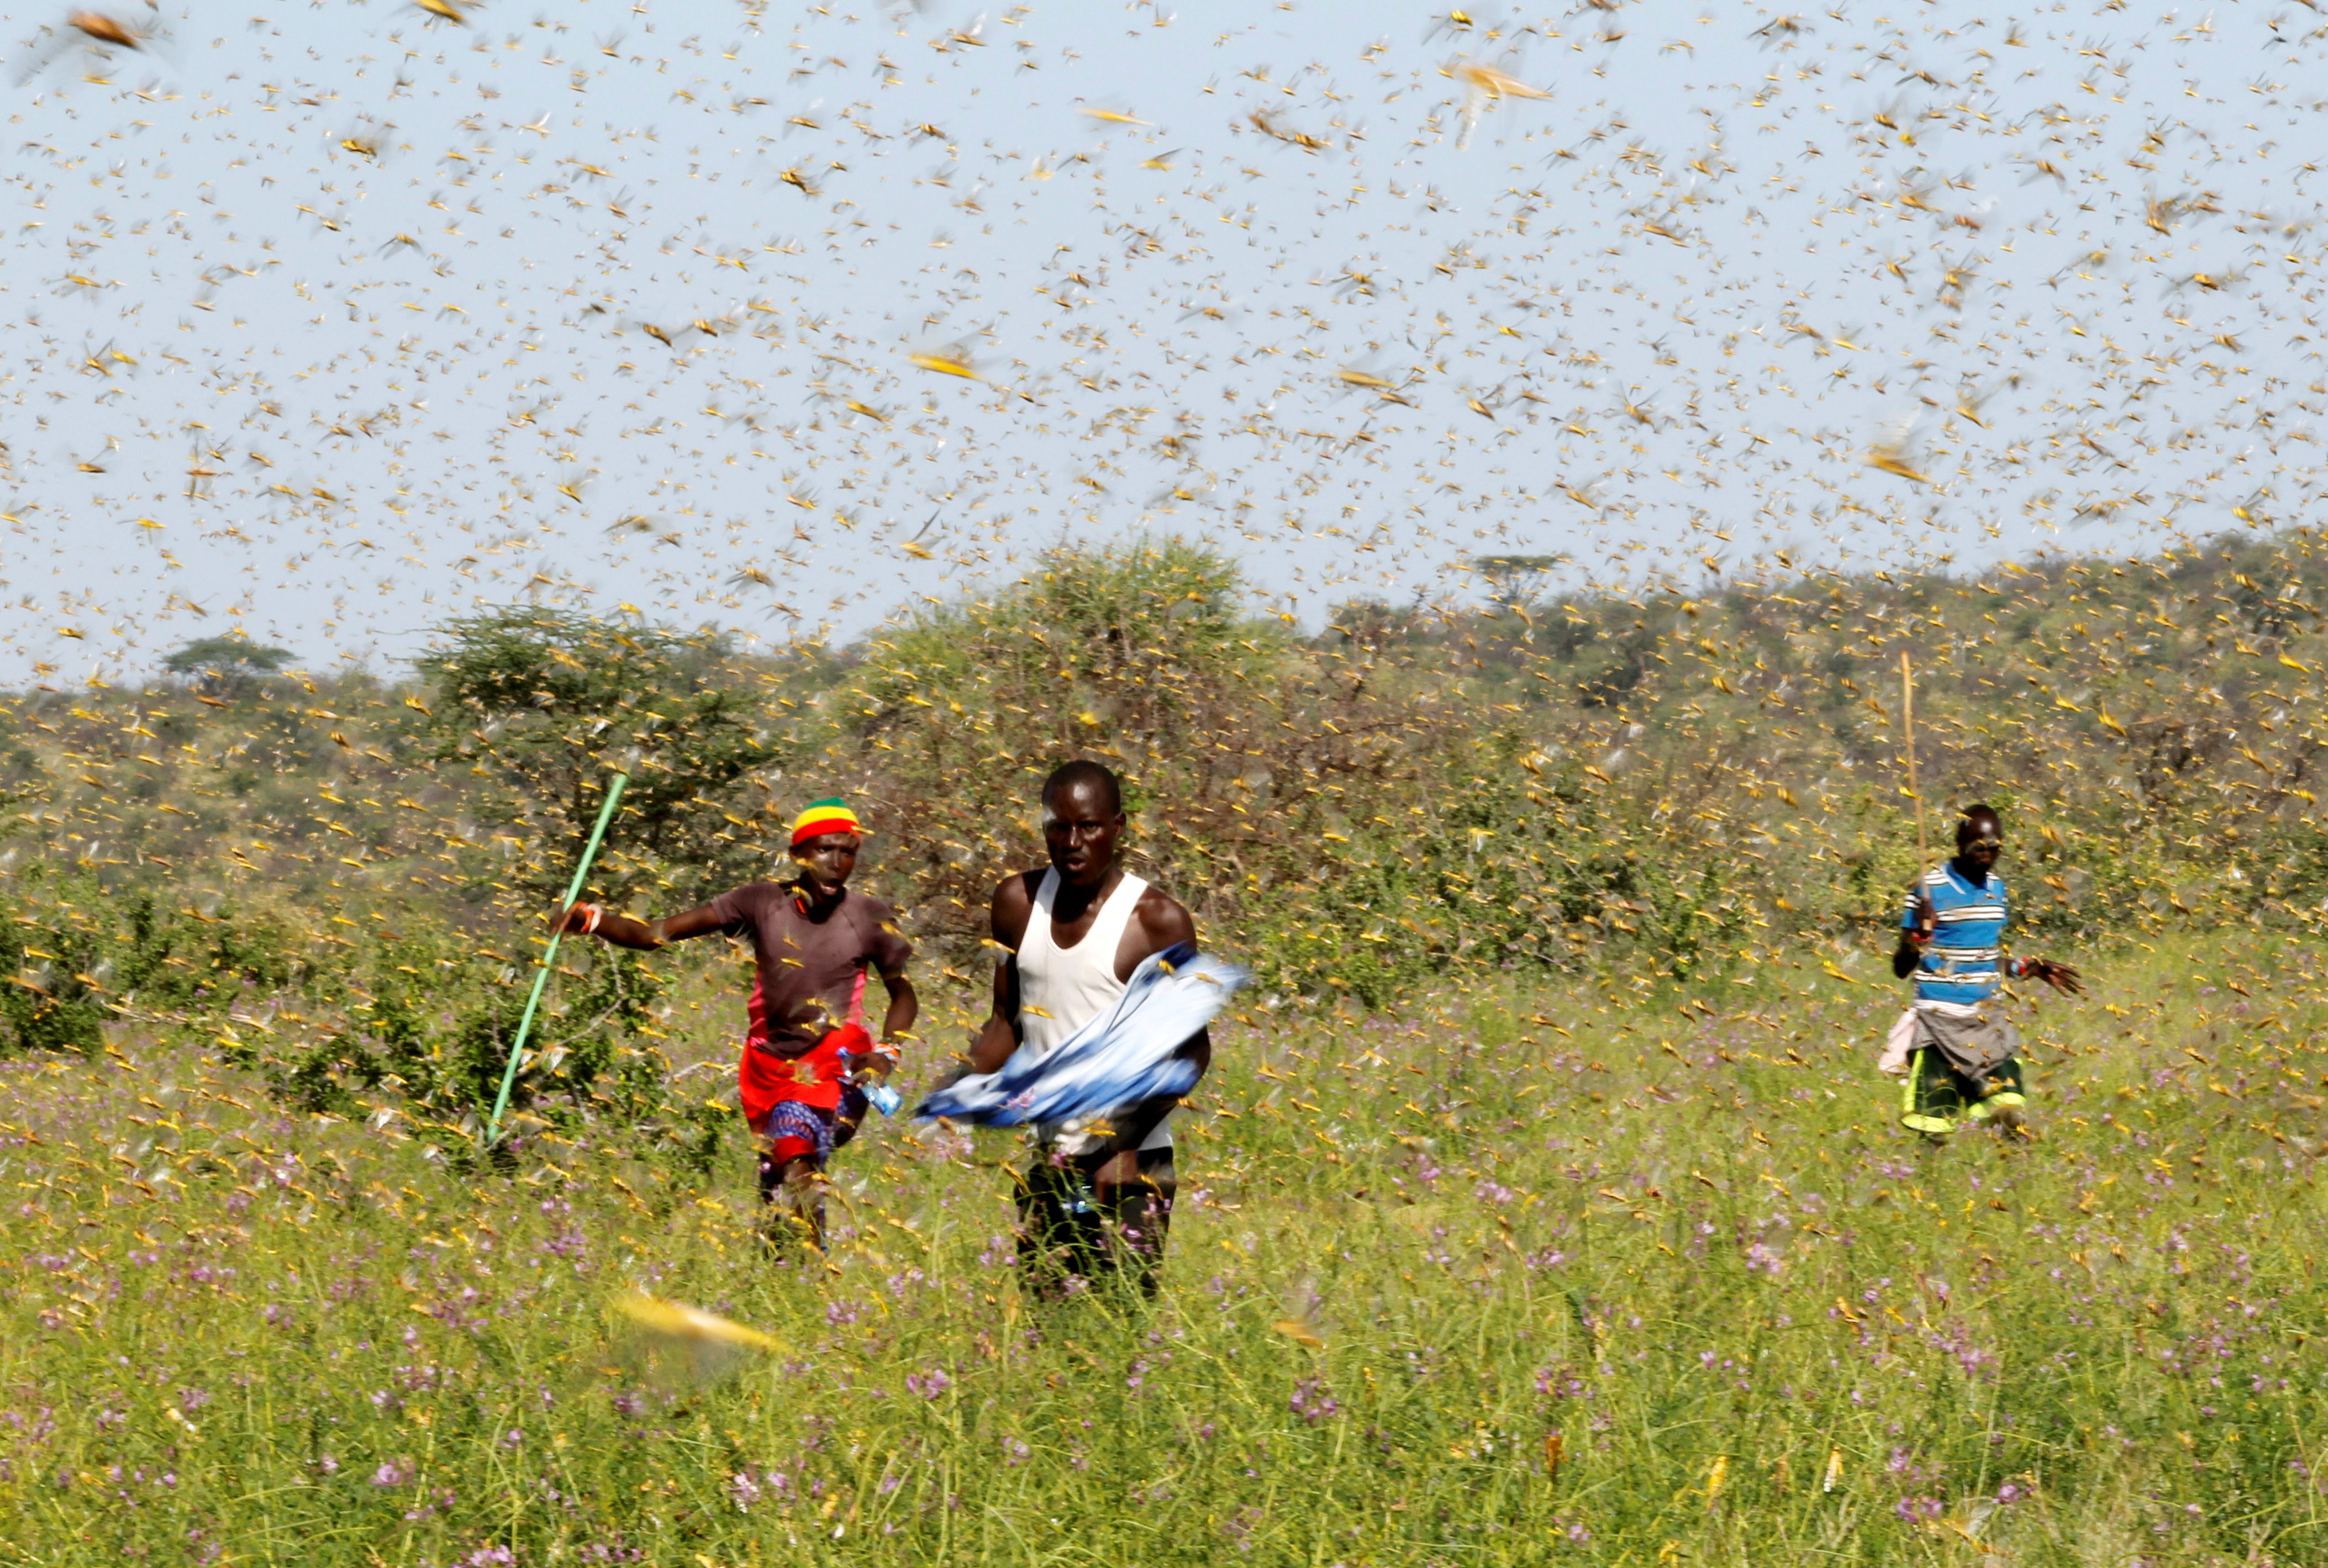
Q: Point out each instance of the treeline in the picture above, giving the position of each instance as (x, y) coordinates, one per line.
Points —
(1539, 782)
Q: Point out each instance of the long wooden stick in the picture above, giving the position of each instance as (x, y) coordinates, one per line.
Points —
(550, 956)
(1908, 731)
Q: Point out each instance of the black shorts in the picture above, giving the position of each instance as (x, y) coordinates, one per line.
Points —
(1066, 1232)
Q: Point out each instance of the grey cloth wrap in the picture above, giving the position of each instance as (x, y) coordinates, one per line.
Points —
(1971, 1046)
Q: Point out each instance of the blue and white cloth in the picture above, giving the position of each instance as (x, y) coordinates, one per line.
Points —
(1120, 1058)
(1960, 964)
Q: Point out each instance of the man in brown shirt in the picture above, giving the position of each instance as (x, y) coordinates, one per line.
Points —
(806, 1050)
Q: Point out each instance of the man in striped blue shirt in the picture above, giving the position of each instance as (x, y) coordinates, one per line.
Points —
(1959, 1059)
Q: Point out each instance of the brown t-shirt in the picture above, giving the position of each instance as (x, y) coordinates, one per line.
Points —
(812, 971)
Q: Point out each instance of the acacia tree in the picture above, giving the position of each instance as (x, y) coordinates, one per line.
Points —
(545, 704)
(223, 666)
(1514, 580)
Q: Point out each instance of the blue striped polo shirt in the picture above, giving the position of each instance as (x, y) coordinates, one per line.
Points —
(1959, 964)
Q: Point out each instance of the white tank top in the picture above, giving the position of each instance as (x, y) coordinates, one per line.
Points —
(1061, 989)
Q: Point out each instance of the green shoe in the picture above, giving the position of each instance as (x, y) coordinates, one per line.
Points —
(1929, 1126)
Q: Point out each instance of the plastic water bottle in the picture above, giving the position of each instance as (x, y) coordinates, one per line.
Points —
(883, 1099)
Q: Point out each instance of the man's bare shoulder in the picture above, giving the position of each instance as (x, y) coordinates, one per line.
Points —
(1017, 891)
(1155, 900)
(1164, 918)
(1013, 903)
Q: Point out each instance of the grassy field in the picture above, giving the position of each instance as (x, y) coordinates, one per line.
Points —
(1597, 1275)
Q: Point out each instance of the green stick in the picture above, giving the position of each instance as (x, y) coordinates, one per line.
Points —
(550, 956)
(1908, 735)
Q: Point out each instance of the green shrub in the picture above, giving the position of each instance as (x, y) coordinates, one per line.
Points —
(75, 954)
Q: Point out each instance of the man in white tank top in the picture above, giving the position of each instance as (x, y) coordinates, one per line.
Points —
(1098, 1196)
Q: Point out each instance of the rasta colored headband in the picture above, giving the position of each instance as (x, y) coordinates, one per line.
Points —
(823, 817)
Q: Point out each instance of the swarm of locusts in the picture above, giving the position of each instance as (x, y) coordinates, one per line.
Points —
(957, 787)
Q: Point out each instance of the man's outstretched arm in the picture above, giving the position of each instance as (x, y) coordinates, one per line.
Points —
(639, 936)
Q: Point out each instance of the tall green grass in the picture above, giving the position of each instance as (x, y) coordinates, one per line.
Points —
(1675, 1230)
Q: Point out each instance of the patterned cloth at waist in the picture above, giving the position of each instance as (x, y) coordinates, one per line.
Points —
(1972, 1043)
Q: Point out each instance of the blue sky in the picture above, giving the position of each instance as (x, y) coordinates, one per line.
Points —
(327, 322)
